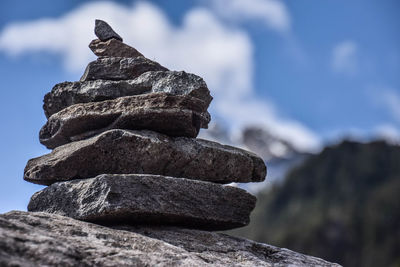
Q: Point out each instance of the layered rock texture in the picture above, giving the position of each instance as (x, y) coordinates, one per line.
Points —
(122, 152)
(44, 239)
(145, 199)
(172, 82)
(126, 152)
(119, 68)
(172, 115)
(126, 157)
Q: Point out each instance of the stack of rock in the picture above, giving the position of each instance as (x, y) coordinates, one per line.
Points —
(125, 148)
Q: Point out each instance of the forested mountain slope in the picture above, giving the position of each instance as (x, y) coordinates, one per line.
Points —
(342, 205)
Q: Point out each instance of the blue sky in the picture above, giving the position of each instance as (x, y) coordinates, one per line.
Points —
(310, 71)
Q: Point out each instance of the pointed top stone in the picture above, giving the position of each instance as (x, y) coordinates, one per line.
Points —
(104, 31)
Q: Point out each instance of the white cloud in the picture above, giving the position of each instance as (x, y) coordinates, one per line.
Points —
(201, 45)
(390, 99)
(273, 13)
(388, 132)
(344, 57)
(242, 110)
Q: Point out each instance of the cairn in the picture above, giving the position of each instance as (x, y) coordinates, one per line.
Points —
(125, 149)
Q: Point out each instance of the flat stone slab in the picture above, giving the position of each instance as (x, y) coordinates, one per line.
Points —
(173, 82)
(119, 68)
(44, 239)
(113, 48)
(126, 152)
(104, 31)
(147, 199)
(160, 112)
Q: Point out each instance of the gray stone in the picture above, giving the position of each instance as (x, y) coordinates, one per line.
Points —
(104, 31)
(173, 82)
(113, 48)
(43, 239)
(141, 199)
(160, 112)
(176, 83)
(124, 152)
(119, 68)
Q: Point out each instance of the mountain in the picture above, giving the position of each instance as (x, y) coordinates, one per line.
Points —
(342, 205)
(279, 154)
(265, 144)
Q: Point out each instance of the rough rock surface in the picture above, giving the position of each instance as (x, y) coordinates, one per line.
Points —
(160, 112)
(113, 48)
(119, 68)
(104, 31)
(147, 199)
(173, 82)
(43, 239)
(123, 152)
